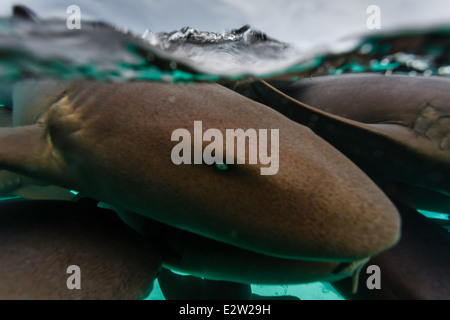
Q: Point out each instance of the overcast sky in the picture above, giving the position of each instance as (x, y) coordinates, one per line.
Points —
(295, 21)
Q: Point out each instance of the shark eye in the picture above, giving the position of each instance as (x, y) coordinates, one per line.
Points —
(222, 166)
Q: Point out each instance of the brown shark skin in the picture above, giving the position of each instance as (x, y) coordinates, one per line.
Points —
(39, 240)
(402, 123)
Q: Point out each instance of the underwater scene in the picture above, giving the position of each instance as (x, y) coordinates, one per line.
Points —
(224, 150)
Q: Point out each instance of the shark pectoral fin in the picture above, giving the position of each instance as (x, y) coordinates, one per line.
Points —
(22, 147)
(28, 150)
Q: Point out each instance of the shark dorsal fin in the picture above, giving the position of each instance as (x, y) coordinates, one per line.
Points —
(24, 13)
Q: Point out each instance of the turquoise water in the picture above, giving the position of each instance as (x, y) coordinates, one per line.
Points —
(103, 53)
(310, 291)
